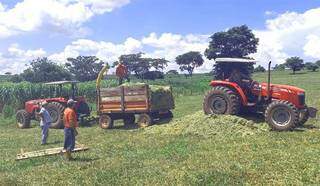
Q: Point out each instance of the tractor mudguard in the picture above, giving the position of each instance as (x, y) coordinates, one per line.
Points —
(234, 86)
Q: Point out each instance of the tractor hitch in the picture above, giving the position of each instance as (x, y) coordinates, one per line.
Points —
(312, 112)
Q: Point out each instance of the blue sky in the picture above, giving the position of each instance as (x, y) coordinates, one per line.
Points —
(161, 28)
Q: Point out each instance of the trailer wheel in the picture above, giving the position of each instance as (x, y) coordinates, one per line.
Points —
(106, 122)
(282, 115)
(23, 119)
(129, 120)
(145, 120)
(221, 100)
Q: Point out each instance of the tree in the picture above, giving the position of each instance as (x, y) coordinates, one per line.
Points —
(236, 42)
(311, 66)
(259, 69)
(138, 65)
(85, 68)
(45, 70)
(173, 72)
(294, 63)
(8, 73)
(318, 63)
(279, 67)
(189, 61)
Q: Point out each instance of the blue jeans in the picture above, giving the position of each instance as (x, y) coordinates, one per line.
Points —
(44, 133)
(69, 139)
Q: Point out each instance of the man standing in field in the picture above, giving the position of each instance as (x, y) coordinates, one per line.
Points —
(45, 122)
(70, 125)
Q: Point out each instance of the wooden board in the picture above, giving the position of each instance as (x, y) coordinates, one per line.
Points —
(47, 152)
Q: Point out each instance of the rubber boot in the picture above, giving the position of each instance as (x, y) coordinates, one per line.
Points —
(67, 155)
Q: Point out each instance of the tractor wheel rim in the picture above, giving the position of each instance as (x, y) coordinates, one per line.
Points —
(281, 117)
(143, 122)
(104, 123)
(219, 105)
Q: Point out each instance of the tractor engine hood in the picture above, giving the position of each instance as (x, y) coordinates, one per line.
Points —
(278, 87)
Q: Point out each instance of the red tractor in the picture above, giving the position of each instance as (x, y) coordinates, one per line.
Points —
(55, 106)
(283, 106)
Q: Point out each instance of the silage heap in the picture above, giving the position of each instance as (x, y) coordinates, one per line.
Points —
(203, 125)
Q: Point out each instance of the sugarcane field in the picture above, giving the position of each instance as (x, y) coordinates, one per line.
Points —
(128, 92)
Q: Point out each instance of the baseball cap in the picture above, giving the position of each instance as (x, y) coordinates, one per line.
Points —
(71, 101)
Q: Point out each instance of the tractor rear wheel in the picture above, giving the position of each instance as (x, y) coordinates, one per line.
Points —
(282, 115)
(23, 119)
(55, 110)
(106, 121)
(129, 120)
(221, 100)
(145, 120)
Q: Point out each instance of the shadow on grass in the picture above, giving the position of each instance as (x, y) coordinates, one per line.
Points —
(135, 126)
(84, 159)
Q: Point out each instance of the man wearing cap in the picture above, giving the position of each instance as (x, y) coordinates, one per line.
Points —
(45, 122)
(70, 125)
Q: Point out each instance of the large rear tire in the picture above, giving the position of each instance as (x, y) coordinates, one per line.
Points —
(282, 115)
(55, 110)
(221, 100)
(23, 119)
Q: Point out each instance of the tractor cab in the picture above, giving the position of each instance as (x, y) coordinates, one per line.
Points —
(233, 90)
(60, 91)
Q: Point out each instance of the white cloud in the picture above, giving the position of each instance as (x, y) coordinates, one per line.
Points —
(58, 15)
(312, 47)
(290, 34)
(15, 59)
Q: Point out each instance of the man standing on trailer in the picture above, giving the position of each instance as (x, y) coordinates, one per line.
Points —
(122, 73)
(70, 125)
(45, 122)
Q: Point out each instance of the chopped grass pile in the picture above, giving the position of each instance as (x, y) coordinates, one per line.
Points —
(207, 126)
(161, 96)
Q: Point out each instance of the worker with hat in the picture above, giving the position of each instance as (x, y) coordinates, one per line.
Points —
(45, 121)
(70, 125)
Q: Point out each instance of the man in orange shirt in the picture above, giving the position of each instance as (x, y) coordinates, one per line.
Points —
(70, 125)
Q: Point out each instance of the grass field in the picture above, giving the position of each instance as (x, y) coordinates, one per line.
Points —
(191, 149)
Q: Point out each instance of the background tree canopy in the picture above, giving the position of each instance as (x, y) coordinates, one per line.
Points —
(189, 61)
(236, 42)
(294, 63)
(44, 70)
(85, 68)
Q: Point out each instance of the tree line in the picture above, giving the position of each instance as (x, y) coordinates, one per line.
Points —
(237, 42)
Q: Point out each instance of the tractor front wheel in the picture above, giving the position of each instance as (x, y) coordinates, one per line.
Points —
(23, 119)
(221, 100)
(282, 115)
(55, 110)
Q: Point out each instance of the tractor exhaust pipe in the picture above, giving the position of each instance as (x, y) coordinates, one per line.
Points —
(269, 81)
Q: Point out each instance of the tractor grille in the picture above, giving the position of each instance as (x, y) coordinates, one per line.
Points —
(302, 99)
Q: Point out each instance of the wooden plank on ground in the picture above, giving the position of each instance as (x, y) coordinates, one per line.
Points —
(47, 152)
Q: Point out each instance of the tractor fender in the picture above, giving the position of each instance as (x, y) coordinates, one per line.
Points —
(233, 86)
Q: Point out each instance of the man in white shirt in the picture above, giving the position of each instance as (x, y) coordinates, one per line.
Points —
(45, 122)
